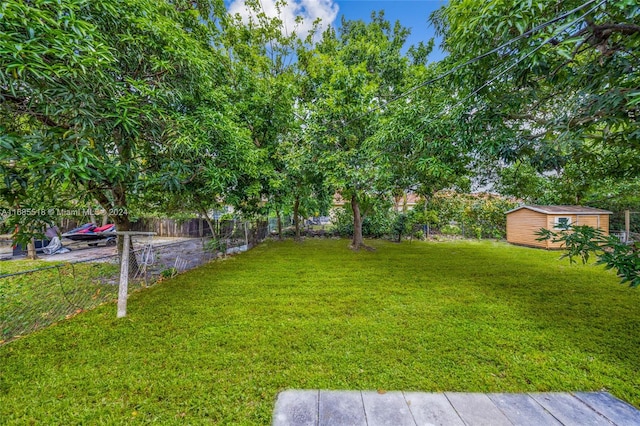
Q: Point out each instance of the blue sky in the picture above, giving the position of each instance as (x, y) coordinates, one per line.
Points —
(411, 13)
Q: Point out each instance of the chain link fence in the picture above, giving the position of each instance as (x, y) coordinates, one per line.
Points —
(35, 298)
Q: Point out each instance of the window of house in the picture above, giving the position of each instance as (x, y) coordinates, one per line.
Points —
(562, 222)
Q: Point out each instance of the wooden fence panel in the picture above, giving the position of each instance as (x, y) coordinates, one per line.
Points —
(173, 228)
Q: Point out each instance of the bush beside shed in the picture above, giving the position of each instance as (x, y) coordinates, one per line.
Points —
(523, 222)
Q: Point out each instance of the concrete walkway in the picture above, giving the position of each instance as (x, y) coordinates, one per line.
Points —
(356, 408)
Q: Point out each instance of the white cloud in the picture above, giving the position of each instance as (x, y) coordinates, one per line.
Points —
(309, 10)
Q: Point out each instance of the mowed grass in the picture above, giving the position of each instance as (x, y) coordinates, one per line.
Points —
(217, 344)
(35, 299)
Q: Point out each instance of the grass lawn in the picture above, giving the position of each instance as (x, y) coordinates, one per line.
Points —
(216, 345)
(31, 300)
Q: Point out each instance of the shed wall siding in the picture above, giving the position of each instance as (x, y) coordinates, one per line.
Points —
(595, 221)
(551, 223)
(591, 220)
(604, 223)
(522, 226)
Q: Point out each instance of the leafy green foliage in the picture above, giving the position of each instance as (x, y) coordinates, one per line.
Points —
(553, 90)
(481, 215)
(584, 241)
(217, 245)
(401, 225)
(114, 100)
(351, 74)
(377, 223)
(265, 90)
(449, 229)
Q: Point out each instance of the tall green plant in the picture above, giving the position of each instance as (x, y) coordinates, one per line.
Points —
(104, 97)
(551, 89)
(584, 241)
(352, 72)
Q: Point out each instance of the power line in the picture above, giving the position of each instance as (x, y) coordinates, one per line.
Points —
(488, 82)
(548, 40)
(502, 46)
(477, 58)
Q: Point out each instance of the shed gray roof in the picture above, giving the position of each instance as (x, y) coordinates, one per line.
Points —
(562, 210)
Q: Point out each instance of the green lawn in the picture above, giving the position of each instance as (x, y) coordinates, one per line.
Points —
(216, 345)
(35, 299)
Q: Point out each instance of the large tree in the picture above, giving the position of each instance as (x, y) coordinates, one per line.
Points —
(264, 88)
(422, 137)
(551, 92)
(353, 72)
(551, 87)
(103, 95)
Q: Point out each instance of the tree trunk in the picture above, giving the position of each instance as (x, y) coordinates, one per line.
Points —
(122, 225)
(120, 219)
(279, 224)
(212, 227)
(357, 241)
(296, 217)
(31, 250)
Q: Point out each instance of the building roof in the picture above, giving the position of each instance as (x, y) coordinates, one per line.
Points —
(562, 210)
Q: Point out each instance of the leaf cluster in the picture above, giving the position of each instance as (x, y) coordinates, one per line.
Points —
(583, 241)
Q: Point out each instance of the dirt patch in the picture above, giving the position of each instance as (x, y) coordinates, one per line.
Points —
(81, 251)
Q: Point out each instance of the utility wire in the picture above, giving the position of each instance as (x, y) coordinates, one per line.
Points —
(484, 55)
(548, 40)
(488, 82)
(476, 59)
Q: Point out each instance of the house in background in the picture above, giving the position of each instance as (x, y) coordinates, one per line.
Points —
(406, 202)
(401, 203)
(523, 222)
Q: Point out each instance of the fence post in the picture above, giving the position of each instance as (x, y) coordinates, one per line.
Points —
(124, 277)
(123, 289)
(246, 236)
(627, 225)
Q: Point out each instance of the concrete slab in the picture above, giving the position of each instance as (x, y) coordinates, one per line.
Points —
(570, 411)
(432, 409)
(522, 409)
(386, 409)
(341, 408)
(370, 408)
(617, 411)
(477, 409)
(296, 408)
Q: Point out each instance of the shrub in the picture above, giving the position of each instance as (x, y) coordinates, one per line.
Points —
(375, 225)
(217, 244)
(451, 230)
(583, 241)
(479, 215)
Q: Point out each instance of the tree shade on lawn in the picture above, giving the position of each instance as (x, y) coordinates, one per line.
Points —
(218, 343)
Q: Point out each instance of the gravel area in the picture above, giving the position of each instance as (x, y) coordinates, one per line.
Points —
(82, 251)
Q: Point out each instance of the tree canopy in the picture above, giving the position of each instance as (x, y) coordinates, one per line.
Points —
(115, 99)
(171, 106)
(352, 73)
(552, 88)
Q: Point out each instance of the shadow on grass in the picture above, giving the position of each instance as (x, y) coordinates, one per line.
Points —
(218, 343)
